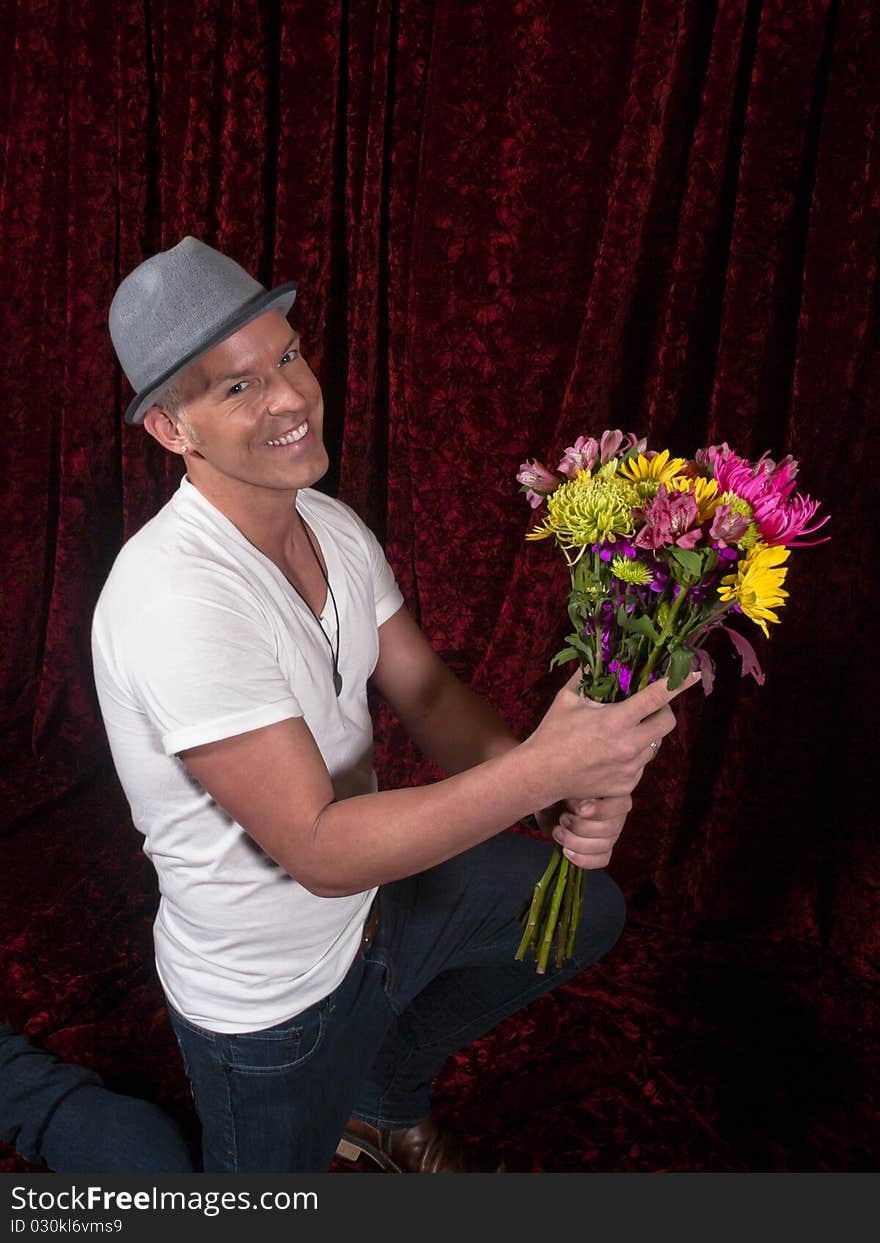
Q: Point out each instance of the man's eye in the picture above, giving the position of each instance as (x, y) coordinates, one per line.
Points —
(237, 388)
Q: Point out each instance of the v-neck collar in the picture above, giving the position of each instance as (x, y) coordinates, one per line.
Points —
(189, 492)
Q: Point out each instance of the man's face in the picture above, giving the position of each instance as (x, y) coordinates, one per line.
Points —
(255, 410)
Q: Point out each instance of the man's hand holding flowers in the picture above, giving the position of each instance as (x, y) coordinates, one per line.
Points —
(586, 829)
(587, 825)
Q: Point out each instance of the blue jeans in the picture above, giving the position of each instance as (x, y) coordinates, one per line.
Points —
(440, 973)
(60, 1114)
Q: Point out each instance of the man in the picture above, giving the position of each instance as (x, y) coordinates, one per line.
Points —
(233, 643)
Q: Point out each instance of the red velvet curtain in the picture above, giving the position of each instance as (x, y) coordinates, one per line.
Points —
(511, 224)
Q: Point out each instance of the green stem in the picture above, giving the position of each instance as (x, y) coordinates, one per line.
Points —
(565, 917)
(704, 623)
(552, 916)
(597, 618)
(665, 633)
(531, 930)
(576, 907)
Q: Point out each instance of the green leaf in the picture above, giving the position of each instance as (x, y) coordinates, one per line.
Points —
(663, 614)
(688, 560)
(679, 667)
(637, 625)
(575, 613)
(710, 560)
(600, 689)
(583, 578)
(580, 645)
(561, 658)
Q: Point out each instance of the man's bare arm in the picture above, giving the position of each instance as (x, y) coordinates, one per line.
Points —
(275, 784)
(445, 719)
(457, 729)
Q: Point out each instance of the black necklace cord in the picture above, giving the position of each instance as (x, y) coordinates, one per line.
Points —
(337, 676)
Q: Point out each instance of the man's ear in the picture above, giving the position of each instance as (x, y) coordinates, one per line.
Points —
(165, 429)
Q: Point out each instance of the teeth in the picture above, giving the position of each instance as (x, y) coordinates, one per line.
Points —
(291, 437)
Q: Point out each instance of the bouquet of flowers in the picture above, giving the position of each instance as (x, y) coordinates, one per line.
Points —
(660, 551)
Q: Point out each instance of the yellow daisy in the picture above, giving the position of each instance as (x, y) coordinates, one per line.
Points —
(756, 584)
(705, 492)
(661, 468)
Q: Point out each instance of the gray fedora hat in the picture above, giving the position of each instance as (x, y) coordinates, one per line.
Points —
(176, 306)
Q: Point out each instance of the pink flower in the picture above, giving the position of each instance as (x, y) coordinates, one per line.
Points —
(766, 466)
(579, 456)
(669, 519)
(609, 444)
(708, 457)
(537, 480)
(585, 452)
(631, 441)
(728, 527)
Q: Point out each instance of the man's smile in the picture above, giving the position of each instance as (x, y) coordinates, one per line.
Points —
(291, 436)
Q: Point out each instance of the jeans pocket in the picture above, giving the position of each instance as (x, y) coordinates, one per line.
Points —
(284, 1047)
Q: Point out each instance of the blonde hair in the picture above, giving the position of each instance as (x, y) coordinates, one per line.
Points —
(173, 401)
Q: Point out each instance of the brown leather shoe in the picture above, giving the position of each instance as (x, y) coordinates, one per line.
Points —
(420, 1149)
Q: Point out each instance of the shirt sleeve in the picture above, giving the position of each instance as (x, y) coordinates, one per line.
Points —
(204, 666)
(386, 592)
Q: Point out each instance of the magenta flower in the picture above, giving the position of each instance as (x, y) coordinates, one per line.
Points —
(537, 480)
(624, 674)
(669, 520)
(784, 525)
(752, 483)
(767, 486)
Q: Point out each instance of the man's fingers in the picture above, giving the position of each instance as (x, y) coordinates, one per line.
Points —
(598, 808)
(643, 703)
(589, 861)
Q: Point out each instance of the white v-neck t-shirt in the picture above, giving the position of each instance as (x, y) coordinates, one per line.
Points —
(198, 636)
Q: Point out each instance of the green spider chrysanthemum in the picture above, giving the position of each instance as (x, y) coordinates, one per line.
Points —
(589, 509)
(630, 571)
(647, 489)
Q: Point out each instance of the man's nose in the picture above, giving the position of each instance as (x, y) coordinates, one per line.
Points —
(284, 393)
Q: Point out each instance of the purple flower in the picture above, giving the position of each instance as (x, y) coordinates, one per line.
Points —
(624, 674)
